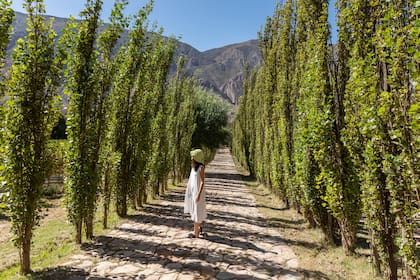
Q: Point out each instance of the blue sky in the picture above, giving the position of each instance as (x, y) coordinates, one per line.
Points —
(203, 24)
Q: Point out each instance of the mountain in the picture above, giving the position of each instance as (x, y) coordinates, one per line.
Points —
(220, 69)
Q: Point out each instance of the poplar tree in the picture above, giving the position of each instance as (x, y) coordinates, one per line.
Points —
(31, 113)
(158, 158)
(108, 66)
(343, 191)
(182, 125)
(130, 91)
(350, 113)
(285, 108)
(150, 86)
(82, 120)
(240, 143)
(6, 18)
(378, 128)
(314, 124)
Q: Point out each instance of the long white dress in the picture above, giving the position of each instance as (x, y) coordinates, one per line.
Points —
(196, 210)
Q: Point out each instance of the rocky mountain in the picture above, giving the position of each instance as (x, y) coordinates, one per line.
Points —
(219, 69)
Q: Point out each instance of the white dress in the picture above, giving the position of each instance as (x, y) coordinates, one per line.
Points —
(196, 210)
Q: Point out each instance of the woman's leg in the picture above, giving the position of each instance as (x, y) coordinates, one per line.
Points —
(196, 229)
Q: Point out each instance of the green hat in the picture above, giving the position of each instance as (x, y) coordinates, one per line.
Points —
(198, 155)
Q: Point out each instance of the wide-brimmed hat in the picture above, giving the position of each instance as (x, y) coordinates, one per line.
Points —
(197, 155)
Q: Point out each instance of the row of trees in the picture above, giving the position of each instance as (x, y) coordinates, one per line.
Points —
(128, 126)
(334, 129)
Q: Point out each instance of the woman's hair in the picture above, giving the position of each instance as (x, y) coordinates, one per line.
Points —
(197, 165)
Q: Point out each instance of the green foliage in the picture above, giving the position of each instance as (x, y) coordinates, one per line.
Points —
(82, 120)
(31, 112)
(6, 18)
(210, 119)
(334, 129)
(158, 159)
(141, 111)
(346, 136)
(381, 95)
(181, 121)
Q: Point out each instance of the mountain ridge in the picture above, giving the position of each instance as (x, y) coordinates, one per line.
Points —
(219, 69)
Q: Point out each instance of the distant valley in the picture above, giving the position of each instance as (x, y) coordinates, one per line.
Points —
(220, 69)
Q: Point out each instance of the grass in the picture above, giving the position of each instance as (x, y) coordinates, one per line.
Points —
(317, 259)
(53, 242)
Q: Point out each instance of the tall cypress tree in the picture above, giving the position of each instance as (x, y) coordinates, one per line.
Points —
(286, 103)
(159, 161)
(343, 193)
(6, 18)
(123, 96)
(31, 113)
(83, 88)
(108, 67)
(378, 128)
(181, 127)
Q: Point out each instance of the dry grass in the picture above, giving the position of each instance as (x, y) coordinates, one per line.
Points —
(53, 241)
(317, 259)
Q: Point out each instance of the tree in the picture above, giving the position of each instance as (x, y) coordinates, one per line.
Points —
(6, 18)
(348, 119)
(378, 127)
(82, 120)
(343, 192)
(31, 113)
(210, 120)
(109, 60)
(136, 93)
(158, 163)
(182, 125)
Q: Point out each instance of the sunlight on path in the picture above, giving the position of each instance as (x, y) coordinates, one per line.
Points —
(154, 244)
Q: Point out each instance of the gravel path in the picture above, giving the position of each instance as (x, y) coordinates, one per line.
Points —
(154, 244)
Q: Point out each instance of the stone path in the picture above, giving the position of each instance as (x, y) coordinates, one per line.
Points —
(155, 245)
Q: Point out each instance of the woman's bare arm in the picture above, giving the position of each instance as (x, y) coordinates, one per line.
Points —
(202, 177)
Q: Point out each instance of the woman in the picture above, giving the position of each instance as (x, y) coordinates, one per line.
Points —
(195, 194)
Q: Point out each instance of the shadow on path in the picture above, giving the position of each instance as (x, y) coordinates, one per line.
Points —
(154, 243)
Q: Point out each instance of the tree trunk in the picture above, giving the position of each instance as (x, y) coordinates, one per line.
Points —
(122, 201)
(162, 186)
(375, 254)
(139, 199)
(134, 201)
(391, 272)
(310, 217)
(107, 194)
(348, 237)
(122, 206)
(165, 184)
(158, 187)
(144, 197)
(388, 233)
(78, 224)
(328, 228)
(25, 253)
(105, 220)
(89, 226)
